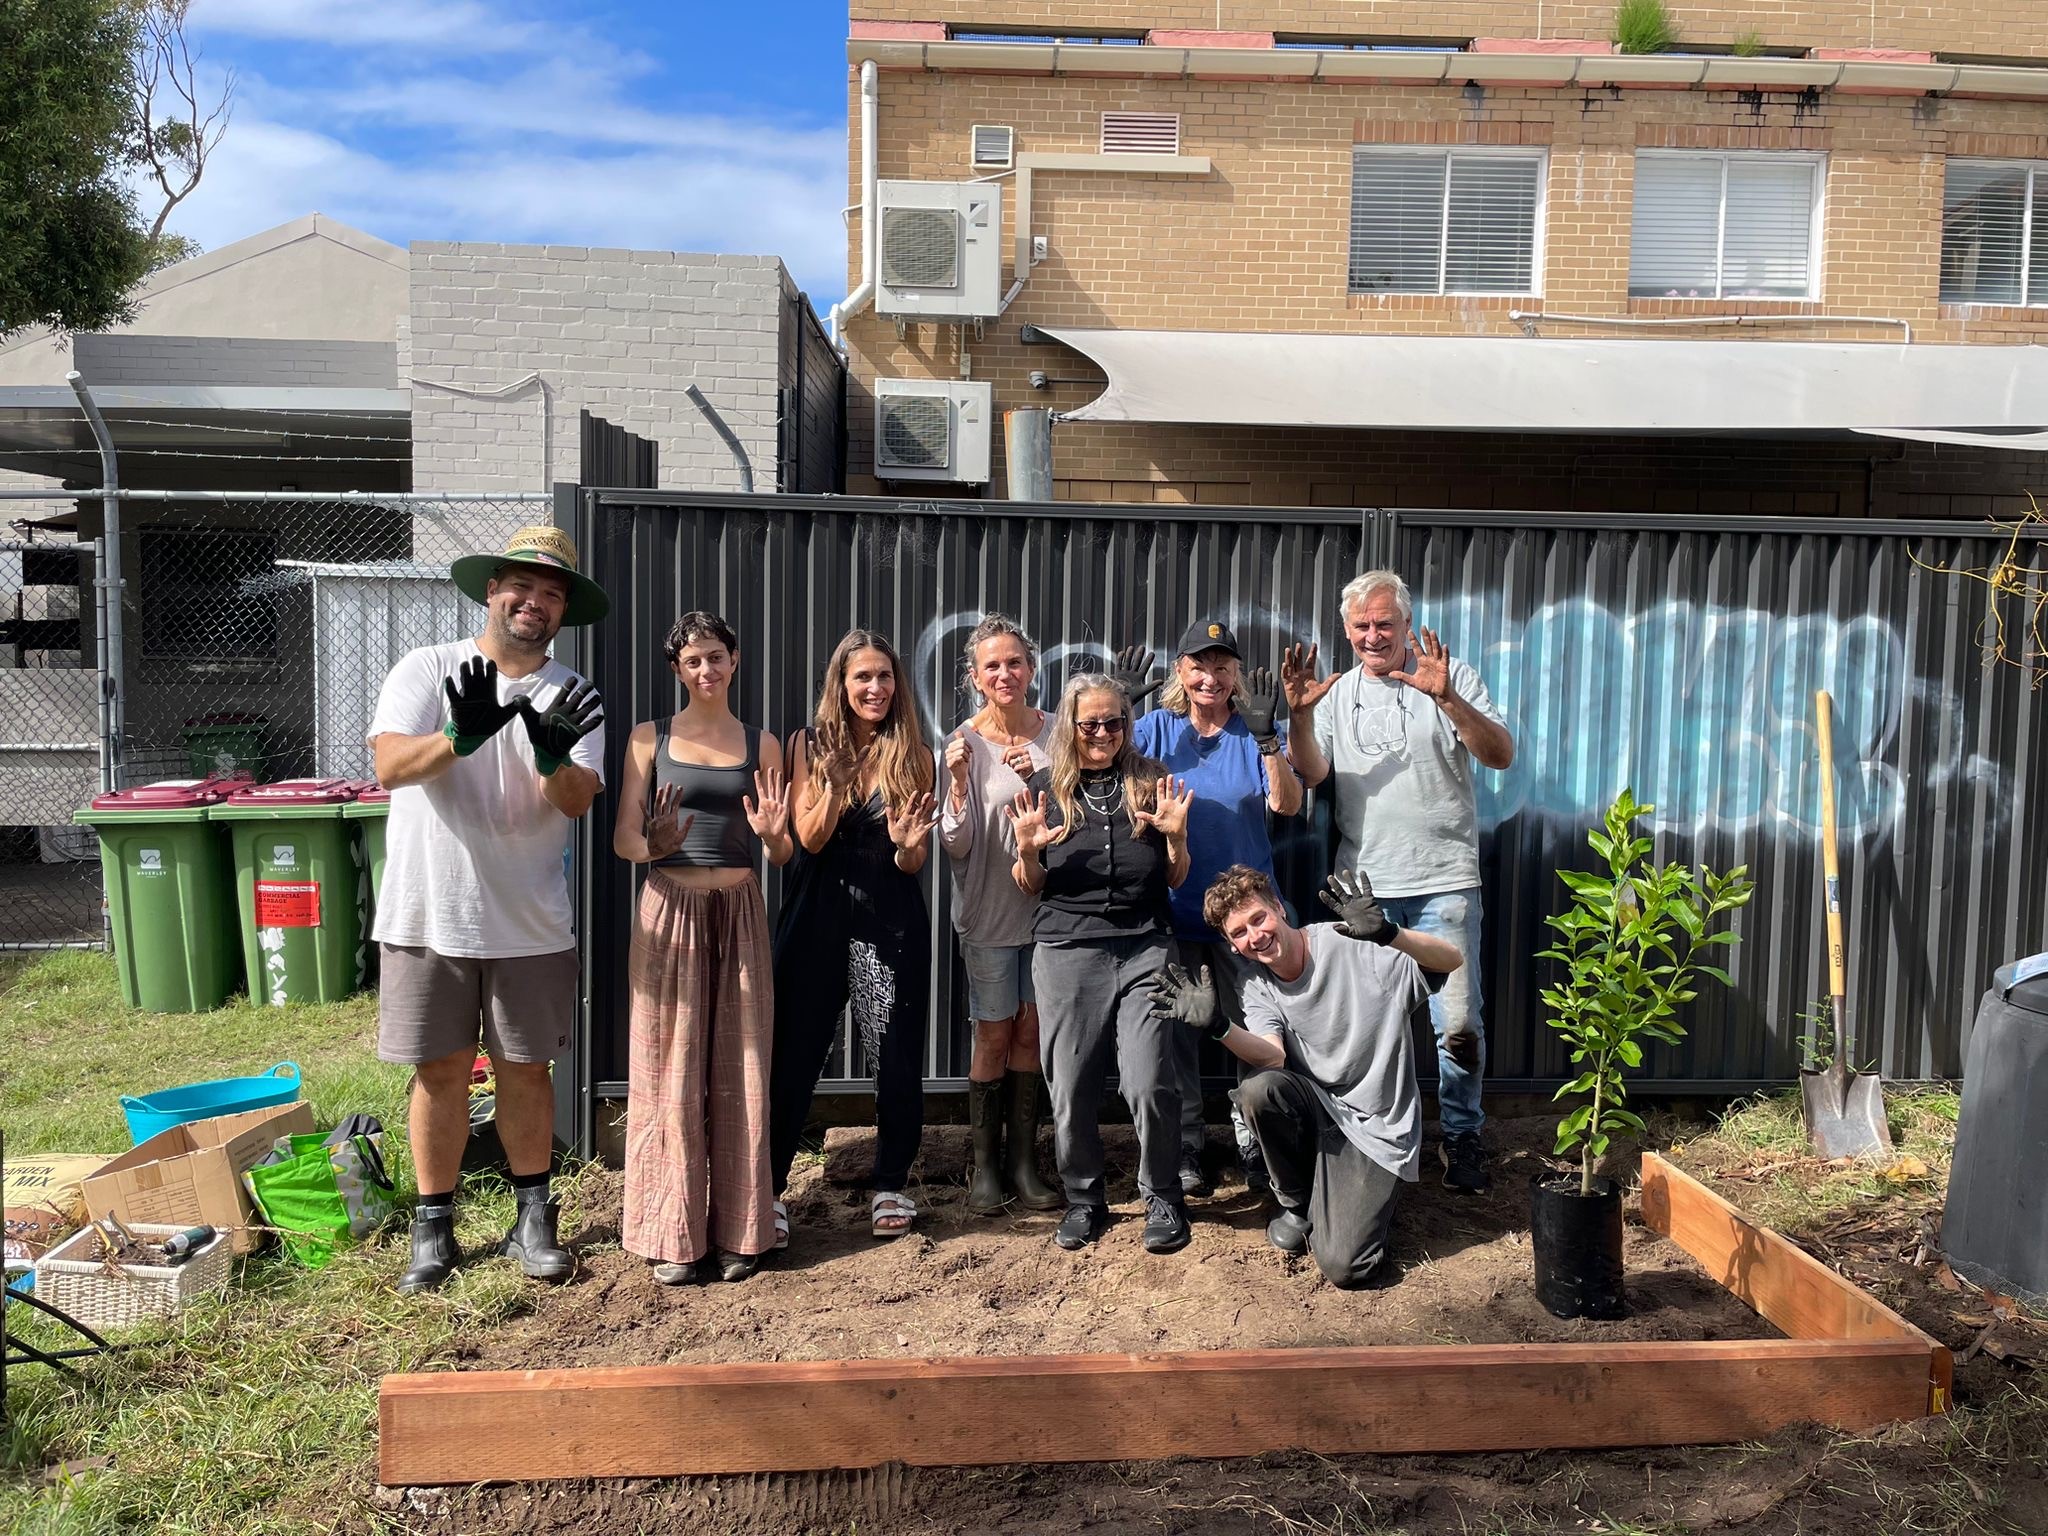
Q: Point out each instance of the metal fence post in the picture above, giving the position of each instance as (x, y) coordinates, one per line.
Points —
(114, 674)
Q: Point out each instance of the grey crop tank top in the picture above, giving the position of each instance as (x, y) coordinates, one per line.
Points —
(719, 837)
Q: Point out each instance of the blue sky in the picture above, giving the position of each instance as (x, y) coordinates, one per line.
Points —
(691, 125)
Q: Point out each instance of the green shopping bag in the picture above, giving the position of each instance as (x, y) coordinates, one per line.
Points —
(321, 1197)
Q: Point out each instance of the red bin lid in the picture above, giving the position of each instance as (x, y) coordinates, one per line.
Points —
(295, 792)
(167, 795)
(370, 792)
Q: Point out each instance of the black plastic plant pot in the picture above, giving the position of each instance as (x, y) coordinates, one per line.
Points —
(1577, 1238)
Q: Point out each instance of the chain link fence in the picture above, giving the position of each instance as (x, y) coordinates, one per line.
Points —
(259, 628)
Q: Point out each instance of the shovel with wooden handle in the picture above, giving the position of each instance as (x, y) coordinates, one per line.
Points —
(1844, 1108)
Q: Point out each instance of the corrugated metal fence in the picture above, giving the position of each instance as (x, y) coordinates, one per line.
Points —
(1679, 658)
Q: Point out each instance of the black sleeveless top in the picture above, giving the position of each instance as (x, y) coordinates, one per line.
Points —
(719, 837)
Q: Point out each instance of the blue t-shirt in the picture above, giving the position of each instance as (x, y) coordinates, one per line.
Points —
(1227, 822)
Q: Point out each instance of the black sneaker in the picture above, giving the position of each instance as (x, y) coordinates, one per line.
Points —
(1288, 1232)
(1166, 1226)
(1193, 1181)
(1464, 1162)
(1080, 1226)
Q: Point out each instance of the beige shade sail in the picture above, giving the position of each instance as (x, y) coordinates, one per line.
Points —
(1518, 384)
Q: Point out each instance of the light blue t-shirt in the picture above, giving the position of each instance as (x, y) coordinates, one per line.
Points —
(1227, 822)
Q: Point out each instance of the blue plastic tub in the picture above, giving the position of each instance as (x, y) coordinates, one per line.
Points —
(201, 1101)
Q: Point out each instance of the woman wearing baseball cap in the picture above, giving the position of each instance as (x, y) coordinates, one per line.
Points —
(1215, 729)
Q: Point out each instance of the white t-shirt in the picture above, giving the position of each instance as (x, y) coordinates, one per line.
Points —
(473, 859)
(1346, 1024)
(1406, 812)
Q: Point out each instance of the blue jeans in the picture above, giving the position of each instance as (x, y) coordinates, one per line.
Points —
(1452, 915)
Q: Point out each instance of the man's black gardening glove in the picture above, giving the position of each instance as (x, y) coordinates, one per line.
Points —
(1259, 704)
(474, 713)
(1131, 669)
(555, 731)
(1358, 911)
(1463, 1049)
(1190, 1000)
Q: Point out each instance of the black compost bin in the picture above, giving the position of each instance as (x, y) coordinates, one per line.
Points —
(1996, 1226)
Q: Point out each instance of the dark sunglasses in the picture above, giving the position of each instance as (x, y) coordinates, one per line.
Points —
(1113, 727)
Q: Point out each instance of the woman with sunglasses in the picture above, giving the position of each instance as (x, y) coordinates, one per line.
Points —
(854, 927)
(1101, 838)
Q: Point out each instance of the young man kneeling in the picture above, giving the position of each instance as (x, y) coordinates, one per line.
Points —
(1329, 1013)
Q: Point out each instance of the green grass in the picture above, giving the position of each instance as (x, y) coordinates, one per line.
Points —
(1799, 1192)
(255, 1413)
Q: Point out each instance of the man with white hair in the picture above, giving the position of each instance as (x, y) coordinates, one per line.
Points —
(1399, 734)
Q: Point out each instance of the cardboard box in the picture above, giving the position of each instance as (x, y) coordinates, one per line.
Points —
(192, 1173)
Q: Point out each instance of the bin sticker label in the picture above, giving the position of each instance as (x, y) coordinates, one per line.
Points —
(149, 861)
(287, 904)
(284, 855)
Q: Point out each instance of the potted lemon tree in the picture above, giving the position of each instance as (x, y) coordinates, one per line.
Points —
(1633, 946)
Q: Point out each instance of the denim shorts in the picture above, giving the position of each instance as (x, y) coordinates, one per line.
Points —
(998, 979)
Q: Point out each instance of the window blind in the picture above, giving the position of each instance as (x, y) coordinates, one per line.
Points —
(1984, 235)
(1722, 226)
(1444, 222)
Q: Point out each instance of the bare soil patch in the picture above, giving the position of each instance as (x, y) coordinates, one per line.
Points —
(965, 1285)
(968, 1285)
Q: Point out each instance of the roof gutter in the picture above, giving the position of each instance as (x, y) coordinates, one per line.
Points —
(1352, 66)
(1530, 319)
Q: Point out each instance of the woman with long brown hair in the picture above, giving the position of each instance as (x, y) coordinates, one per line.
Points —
(1101, 837)
(854, 927)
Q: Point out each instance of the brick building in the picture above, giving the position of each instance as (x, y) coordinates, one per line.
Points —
(1465, 254)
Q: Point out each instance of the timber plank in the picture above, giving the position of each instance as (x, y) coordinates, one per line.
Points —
(658, 1421)
(1785, 1284)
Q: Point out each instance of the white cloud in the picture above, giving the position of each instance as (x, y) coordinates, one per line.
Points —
(463, 26)
(530, 145)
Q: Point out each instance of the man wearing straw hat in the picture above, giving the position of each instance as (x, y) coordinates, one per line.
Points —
(491, 748)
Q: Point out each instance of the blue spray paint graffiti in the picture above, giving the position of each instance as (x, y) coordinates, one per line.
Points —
(1705, 711)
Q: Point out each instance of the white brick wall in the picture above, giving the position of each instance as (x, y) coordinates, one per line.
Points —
(616, 332)
(131, 358)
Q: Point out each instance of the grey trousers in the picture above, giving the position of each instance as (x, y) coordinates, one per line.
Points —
(1093, 994)
(1346, 1196)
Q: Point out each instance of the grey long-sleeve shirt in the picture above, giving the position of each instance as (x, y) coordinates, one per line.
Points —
(988, 908)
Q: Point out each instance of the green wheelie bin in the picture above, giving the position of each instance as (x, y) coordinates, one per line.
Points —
(170, 893)
(370, 810)
(299, 889)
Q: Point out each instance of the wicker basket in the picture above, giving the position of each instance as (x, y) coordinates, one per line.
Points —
(72, 1277)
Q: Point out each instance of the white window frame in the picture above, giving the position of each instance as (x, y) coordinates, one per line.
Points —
(1539, 216)
(2037, 183)
(1816, 220)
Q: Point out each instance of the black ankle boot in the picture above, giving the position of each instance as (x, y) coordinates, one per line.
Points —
(434, 1254)
(985, 1125)
(532, 1238)
(1020, 1144)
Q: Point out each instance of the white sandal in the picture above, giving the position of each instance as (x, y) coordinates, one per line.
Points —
(891, 1213)
(781, 1225)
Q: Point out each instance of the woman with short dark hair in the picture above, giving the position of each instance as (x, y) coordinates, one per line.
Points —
(703, 1011)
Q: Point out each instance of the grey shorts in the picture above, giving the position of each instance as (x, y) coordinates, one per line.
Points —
(998, 979)
(430, 1005)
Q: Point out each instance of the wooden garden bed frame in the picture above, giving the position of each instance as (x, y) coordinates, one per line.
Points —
(1846, 1361)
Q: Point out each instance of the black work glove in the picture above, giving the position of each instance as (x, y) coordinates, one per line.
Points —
(1358, 910)
(554, 732)
(474, 713)
(1189, 1000)
(1131, 668)
(1258, 705)
(1463, 1049)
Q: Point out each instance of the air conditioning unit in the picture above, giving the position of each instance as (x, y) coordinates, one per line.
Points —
(941, 245)
(933, 429)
